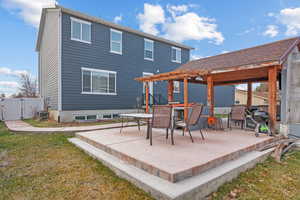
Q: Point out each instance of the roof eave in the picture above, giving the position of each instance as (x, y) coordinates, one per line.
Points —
(117, 26)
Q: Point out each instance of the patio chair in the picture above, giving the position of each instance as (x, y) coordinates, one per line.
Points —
(237, 115)
(161, 118)
(192, 120)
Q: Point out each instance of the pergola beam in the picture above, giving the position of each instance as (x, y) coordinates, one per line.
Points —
(272, 83)
(186, 101)
(170, 91)
(210, 95)
(249, 94)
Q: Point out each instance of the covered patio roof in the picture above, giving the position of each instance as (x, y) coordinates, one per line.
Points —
(226, 68)
(256, 64)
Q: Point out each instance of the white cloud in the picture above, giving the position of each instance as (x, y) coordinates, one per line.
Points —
(176, 10)
(28, 10)
(118, 19)
(196, 57)
(222, 52)
(9, 84)
(290, 17)
(152, 16)
(271, 14)
(191, 26)
(7, 71)
(271, 31)
(182, 25)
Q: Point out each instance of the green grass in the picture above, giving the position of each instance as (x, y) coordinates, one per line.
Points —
(52, 123)
(47, 166)
(268, 180)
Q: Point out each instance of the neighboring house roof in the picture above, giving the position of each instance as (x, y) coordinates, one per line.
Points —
(256, 94)
(260, 95)
(101, 21)
(267, 53)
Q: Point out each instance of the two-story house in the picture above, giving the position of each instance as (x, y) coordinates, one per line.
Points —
(87, 66)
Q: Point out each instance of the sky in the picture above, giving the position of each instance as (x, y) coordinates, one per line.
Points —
(210, 26)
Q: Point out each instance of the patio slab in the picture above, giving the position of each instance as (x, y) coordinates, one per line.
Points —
(175, 162)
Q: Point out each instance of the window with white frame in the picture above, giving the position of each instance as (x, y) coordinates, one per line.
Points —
(176, 86)
(95, 81)
(148, 49)
(176, 54)
(80, 30)
(115, 41)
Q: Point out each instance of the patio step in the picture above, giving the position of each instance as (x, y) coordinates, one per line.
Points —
(196, 187)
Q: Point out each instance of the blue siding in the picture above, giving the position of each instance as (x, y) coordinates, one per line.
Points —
(128, 66)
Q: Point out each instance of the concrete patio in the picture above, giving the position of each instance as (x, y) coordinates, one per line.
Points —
(174, 162)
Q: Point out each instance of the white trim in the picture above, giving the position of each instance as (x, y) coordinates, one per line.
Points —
(177, 49)
(176, 91)
(81, 22)
(59, 106)
(121, 42)
(98, 70)
(151, 41)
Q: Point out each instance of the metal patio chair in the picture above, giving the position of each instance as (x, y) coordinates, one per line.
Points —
(192, 120)
(161, 118)
(237, 115)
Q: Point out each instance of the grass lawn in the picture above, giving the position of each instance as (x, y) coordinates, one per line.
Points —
(52, 123)
(47, 166)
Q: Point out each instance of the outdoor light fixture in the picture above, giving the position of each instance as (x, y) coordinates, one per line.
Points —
(199, 78)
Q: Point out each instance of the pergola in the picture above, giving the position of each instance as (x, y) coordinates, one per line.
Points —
(258, 64)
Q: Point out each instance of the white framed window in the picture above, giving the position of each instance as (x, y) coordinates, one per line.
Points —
(176, 87)
(95, 81)
(176, 54)
(80, 30)
(115, 41)
(148, 49)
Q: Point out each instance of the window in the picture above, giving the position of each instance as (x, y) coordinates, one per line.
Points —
(80, 30)
(115, 41)
(80, 118)
(176, 54)
(176, 86)
(148, 49)
(96, 81)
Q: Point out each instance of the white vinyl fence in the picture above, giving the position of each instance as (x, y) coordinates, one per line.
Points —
(20, 108)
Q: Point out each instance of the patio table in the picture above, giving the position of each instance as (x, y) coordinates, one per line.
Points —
(138, 117)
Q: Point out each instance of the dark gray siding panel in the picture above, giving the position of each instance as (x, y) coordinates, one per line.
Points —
(128, 66)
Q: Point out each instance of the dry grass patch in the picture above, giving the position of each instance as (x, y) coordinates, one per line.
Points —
(49, 167)
(268, 180)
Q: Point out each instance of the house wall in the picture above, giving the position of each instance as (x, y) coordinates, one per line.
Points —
(130, 65)
(290, 95)
(49, 59)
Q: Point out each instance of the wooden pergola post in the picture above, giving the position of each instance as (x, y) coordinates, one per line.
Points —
(210, 95)
(170, 91)
(186, 103)
(147, 96)
(249, 94)
(272, 83)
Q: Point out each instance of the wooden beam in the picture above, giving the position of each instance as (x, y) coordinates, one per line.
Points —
(249, 94)
(210, 95)
(170, 91)
(272, 83)
(147, 96)
(186, 103)
(253, 80)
